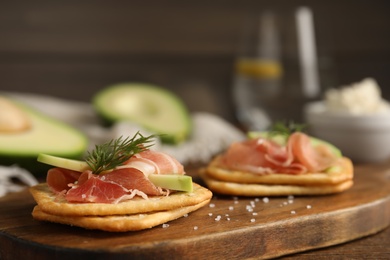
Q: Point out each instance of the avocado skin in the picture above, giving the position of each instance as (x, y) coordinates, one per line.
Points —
(27, 159)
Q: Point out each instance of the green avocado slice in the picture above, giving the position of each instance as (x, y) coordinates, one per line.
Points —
(282, 140)
(152, 107)
(167, 181)
(45, 135)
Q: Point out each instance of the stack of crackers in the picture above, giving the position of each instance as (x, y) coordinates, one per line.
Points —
(229, 182)
(130, 215)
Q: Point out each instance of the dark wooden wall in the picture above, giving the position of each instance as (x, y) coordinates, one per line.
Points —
(71, 49)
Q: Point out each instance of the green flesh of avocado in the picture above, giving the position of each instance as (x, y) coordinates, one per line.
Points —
(282, 139)
(45, 135)
(151, 107)
(167, 181)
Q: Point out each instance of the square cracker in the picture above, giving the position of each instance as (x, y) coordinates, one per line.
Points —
(52, 204)
(119, 223)
(242, 189)
(339, 173)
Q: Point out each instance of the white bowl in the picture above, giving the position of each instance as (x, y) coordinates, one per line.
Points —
(363, 138)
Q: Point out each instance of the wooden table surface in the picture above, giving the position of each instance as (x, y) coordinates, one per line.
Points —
(351, 225)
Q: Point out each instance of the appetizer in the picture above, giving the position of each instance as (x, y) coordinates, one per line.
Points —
(122, 186)
(284, 161)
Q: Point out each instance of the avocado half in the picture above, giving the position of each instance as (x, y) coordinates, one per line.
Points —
(45, 135)
(152, 107)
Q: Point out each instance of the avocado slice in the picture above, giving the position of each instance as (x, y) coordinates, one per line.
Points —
(167, 181)
(282, 140)
(152, 107)
(44, 134)
(70, 164)
(172, 181)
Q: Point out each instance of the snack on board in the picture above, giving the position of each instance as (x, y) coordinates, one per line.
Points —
(122, 186)
(278, 164)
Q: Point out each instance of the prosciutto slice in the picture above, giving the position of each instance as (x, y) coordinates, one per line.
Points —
(58, 179)
(94, 189)
(122, 183)
(263, 156)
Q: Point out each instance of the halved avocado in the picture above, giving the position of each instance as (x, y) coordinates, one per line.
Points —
(152, 107)
(43, 135)
(282, 140)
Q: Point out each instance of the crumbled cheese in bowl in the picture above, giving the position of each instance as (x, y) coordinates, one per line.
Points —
(360, 98)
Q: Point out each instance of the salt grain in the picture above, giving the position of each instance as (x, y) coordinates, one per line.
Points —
(254, 213)
(185, 215)
(265, 200)
(292, 211)
(218, 218)
(196, 228)
(231, 208)
(308, 206)
(253, 220)
(210, 214)
(165, 225)
(212, 205)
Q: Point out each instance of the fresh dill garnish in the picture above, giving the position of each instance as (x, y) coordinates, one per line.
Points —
(109, 155)
(286, 128)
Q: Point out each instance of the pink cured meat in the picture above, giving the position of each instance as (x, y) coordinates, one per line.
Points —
(162, 162)
(263, 156)
(132, 179)
(58, 179)
(94, 189)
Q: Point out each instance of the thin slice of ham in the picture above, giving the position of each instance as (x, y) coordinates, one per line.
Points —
(94, 189)
(263, 156)
(132, 179)
(58, 179)
(161, 162)
(315, 159)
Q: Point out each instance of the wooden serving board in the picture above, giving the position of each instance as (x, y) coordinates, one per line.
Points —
(226, 229)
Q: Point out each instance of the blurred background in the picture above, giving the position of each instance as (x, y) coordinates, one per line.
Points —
(72, 49)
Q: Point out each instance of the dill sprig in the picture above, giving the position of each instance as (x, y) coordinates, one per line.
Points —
(114, 153)
(286, 128)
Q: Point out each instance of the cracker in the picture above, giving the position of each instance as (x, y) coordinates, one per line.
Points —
(48, 202)
(119, 223)
(342, 171)
(241, 189)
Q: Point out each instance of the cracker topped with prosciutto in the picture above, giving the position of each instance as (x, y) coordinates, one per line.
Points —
(122, 186)
(278, 164)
